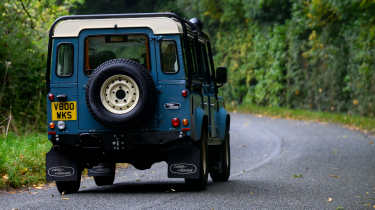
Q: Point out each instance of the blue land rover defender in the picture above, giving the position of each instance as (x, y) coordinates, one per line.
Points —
(134, 88)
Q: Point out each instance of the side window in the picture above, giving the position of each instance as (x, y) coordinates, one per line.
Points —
(193, 57)
(185, 57)
(210, 61)
(169, 58)
(65, 60)
(205, 67)
(199, 59)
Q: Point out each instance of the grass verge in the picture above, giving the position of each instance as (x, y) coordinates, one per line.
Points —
(22, 159)
(364, 124)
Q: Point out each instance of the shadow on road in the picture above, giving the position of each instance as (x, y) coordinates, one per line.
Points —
(145, 187)
(254, 188)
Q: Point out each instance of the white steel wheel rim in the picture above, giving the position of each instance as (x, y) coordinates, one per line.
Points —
(119, 94)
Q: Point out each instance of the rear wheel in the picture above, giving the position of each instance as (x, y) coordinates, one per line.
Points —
(69, 187)
(201, 182)
(222, 171)
(106, 180)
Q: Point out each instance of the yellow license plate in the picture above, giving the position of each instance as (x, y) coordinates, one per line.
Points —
(64, 110)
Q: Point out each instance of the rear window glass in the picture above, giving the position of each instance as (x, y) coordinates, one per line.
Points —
(169, 59)
(99, 49)
(65, 60)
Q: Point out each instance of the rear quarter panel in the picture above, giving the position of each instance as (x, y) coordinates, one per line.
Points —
(221, 119)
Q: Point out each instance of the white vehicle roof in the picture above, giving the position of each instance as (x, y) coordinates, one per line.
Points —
(159, 25)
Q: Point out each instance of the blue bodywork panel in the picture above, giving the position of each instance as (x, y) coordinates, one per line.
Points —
(222, 118)
(198, 118)
(64, 85)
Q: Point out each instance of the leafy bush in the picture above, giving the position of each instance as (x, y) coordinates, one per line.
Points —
(300, 54)
(23, 51)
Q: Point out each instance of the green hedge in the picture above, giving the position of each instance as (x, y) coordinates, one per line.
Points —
(315, 54)
(24, 29)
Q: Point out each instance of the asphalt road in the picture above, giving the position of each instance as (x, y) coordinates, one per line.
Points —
(276, 164)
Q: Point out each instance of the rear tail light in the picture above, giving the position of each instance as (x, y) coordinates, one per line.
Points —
(52, 125)
(51, 97)
(175, 122)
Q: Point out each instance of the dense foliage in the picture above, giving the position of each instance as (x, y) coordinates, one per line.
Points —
(314, 54)
(123, 6)
(23, 50)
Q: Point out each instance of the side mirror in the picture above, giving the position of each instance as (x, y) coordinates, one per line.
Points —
(221, 76)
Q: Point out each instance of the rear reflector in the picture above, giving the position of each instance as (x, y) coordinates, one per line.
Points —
(185, 129)
(51, 132)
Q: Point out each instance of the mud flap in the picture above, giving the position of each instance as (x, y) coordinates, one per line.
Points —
(184, 162)
(60, 167)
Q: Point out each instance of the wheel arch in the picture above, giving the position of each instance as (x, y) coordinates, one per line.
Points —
(222, 122)
(200, 118)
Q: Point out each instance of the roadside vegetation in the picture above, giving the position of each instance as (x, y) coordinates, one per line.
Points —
(354, 122)
(22, 159)
(302, 59)
(314, 54)
(24, 28)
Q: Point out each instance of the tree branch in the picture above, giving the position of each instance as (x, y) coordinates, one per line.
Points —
(27, 13)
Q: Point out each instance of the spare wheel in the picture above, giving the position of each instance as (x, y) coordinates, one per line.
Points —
(120, 92)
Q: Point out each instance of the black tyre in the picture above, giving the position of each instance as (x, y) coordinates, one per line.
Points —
(120, 92)
(201, 182)
(221, 172)
(69, 187)
(106, 180)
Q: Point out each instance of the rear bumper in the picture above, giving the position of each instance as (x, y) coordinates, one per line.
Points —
(115, 141)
